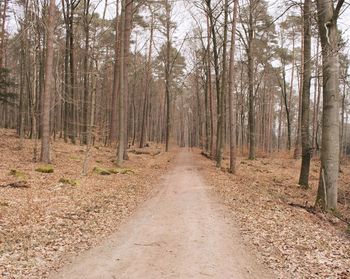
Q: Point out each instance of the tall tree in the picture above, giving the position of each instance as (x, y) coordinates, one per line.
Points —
(305, 104)
(147, 81)
(209, 92)
(221, 96)
(114, 112)
(327, 194)
(167, 72)
(129, 10)
(121, 146)
(213, 32)
(3, 5)
(249, 48)
(45, 137)
(86, 22)
(231, 91)
(256, 24)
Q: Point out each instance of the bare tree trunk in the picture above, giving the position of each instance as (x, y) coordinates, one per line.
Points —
(120, 156)
(66, 81)
(221, 100)
(73, 119)
(341, 141)
(216, 66)
(298, 138)
(316, 91)
(206, 107)
(210, 92)
(345, 75)
(113, 124)
(199, 135)
(327, 194)
(45, 137)
(232, 106)
(23, 58)
(251, 116)
(85, 135)
(147, 86)
(279, 126)
(305, 104)
(129, 9)
(284, 98)
(167, 76)
(2, 37)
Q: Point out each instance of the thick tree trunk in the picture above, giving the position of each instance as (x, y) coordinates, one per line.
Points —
(327, 194)
(45, 137)
(305, 104)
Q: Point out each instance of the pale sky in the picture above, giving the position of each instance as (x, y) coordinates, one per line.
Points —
(182, 15)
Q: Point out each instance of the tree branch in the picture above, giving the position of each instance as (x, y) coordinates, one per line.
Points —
(337, 9)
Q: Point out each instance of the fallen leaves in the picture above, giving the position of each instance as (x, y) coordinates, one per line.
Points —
(290, 240)
(41, 227)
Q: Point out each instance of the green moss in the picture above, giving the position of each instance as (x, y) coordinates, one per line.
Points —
(45, 169)
(18, 174)
(71, 182)
(101, 171)
(121, 171)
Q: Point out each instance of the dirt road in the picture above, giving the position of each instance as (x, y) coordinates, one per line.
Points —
(181, 232)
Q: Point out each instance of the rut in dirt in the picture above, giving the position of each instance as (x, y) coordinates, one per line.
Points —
(181, 232)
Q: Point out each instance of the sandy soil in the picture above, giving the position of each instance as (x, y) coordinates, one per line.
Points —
(181, 232)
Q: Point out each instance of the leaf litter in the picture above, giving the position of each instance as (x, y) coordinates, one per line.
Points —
(290, 240)
(47, 223)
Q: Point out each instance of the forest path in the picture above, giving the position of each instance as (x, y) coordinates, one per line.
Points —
(181, 232)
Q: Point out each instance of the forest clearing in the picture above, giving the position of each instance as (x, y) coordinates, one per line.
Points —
(151, 139)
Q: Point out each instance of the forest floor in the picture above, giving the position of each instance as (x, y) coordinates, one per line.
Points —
(276, 216)
(176, 223)
(46, 221)
(181, 232)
